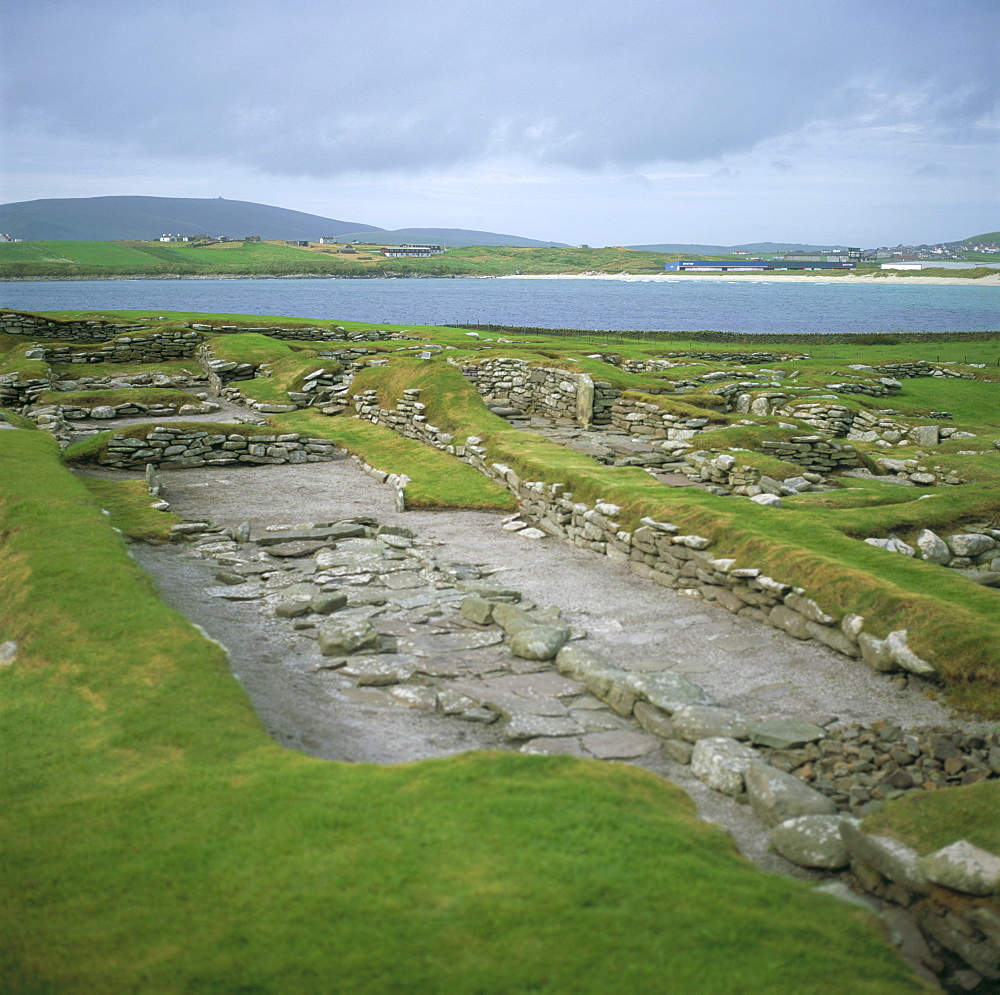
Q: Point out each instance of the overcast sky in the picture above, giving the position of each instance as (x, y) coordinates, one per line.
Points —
(599, 121)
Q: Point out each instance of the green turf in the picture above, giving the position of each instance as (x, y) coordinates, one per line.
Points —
(153, 839)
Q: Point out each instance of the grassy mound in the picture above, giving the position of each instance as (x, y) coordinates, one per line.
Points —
(153, 839)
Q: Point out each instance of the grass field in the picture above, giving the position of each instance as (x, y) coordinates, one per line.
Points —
(153, 839)
(57, 259)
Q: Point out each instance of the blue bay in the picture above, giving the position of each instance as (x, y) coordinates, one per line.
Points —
(740, 306)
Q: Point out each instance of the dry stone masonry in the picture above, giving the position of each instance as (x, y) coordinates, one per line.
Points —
(168, 447)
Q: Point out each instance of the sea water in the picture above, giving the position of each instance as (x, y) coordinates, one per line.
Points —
(739, 305)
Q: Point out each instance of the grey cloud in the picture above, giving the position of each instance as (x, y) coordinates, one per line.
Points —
(309, 88)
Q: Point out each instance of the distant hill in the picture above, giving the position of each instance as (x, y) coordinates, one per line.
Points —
(728, 250)
(108, 219)
(112, 219)
(450, 238)
(990, 237)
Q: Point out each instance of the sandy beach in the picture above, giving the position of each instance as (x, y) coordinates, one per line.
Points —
(986, 281)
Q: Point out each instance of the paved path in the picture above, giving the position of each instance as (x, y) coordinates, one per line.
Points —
(638, 624)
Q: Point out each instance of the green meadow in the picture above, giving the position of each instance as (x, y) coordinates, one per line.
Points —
(81, 260)
(154, 839)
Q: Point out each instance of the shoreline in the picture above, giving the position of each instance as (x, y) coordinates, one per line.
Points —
(947, 281)
(985, 281)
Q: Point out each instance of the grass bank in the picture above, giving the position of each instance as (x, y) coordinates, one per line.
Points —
(152, 838)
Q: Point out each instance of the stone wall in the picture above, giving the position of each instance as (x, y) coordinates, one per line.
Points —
(921, 369)
(302, 333)
(149, 347)
(655, 550)
(39, 327)
(172, 448)
(645, 418)
(975, 551)
(515, 385)
(741, 358)
(127, 409)
(813, 452)
(17, 393)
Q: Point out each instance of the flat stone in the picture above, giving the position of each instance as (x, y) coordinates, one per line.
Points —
(668, 691)
(542, 684)
(241, 593)
(327, 602)
(550, 745)
(291, 609)
(721, 763)
(448, 642)
(784, 734)
(889, 857)
(489, 591)
(619, 744)
(300, 548)
(528, 726)
(811, 841)
(402, 580)
(380, 670)
(415, 696)
(342, 638)
(776, 796)
(963, 867)
(694, 722)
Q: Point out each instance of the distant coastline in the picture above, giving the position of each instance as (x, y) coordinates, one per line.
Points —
(957, 281)
(988, 281)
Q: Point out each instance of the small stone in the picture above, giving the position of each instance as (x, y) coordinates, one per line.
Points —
(326, 603)
(345, 638)
(291, 609)
(539, 642)
(477, 609)
(8, 653)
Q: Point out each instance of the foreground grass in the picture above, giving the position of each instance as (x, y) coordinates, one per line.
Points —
(153, 839)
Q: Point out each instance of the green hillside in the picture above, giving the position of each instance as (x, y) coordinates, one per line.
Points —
(58, 259)
(114, 218)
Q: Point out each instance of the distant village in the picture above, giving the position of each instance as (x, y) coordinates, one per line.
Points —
(406, 251)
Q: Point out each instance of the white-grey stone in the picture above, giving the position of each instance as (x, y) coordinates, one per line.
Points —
(539, 642)
(970, 544)
(694, 722)
(889, 857)
(667, 690)
(903, 656)
(721, 763)
(767, 500)
(963, 867)
(811, 841)
(347, 637)
(380, 670)
(776, 796)
(8, 652)
(932, 547)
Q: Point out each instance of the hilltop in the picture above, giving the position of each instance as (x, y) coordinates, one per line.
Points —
(111, 219)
